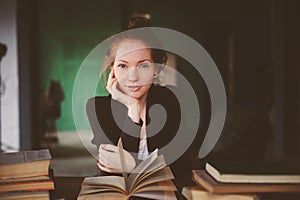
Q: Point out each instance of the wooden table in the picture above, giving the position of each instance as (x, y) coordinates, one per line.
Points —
(68, 188)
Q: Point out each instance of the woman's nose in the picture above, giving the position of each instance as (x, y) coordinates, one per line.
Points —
(133, 74)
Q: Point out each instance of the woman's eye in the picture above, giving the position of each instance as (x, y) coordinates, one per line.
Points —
(122, 66)
(145, 65)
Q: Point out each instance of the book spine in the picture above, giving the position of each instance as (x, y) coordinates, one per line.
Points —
(28, 190)
(24, 182)
(27, 186)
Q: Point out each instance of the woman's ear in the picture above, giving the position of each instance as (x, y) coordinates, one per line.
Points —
(156, 72)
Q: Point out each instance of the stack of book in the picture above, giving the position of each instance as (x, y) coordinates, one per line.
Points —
(25, 175)
(243, 180)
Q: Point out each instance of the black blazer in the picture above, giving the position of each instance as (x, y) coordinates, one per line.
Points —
(100, 114)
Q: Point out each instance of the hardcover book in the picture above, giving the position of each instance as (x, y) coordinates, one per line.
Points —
(26, 186)
(202, 178)
(254, 172)
(198, 192)
(35, 195)
(31, 178)
(24, 164)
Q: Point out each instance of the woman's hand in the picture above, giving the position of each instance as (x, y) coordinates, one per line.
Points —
(109, 159)
(131, 103)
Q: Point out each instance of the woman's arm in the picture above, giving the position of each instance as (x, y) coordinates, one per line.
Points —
(131, 103)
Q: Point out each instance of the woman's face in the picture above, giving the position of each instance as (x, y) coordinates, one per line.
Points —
(134, 68)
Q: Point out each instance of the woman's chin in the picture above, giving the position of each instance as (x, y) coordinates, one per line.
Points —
(136, 96)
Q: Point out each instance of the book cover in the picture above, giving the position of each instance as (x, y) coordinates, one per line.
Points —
(202, 178)
(27, 186)
(254, 172)
(24, 156)
(24, 164)
(198, 192)
(24, 179)
(36, 195)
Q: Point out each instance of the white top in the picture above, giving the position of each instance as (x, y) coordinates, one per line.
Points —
(143, 148)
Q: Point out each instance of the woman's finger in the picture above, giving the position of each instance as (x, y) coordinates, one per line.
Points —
(101, 165)
(101, 162)
(104, 155)
(109, 170)
(111, 74)
(109, 147)
(110, 81)
(110, 159)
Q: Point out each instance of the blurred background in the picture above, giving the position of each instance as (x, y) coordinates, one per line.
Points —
(255, 45)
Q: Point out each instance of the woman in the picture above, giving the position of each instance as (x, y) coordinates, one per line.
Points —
(134, 69)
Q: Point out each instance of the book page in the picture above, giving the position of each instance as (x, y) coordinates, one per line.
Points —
(160, 176)
(167, 185)
(198, 192)
(158, 164)
(102, 196)
(22, 179)
(24, 169)
(138, 171)
(123, 164)
(145, 163)
(162, 195)
(105, 182)
(91, 190)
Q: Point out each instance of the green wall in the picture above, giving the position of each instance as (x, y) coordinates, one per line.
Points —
(68, 31)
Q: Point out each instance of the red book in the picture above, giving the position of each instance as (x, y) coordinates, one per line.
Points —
(27, 186)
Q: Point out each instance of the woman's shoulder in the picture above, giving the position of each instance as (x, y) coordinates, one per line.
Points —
(98, 101)
(99, 98)
(162, 89)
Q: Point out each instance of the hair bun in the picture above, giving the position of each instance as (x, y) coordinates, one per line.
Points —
(139, 21)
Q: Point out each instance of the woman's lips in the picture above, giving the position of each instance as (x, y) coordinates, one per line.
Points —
(134, 88)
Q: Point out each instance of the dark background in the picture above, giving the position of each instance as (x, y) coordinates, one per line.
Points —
(255, 45)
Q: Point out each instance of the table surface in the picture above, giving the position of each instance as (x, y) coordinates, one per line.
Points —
(68, 188)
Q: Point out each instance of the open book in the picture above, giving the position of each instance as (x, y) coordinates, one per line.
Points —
(150, 179)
